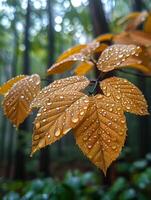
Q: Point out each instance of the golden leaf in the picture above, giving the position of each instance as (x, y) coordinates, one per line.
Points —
(101, 134)
(140, 38)
(7, 86)
(70, 52)
(133, 24)
(83, 68)
(104, 37)
(73, 83)
(90, 49)
(133, 37)
(17, 101)
(66, 64)
(101, 48)
(147, 24)
(83, 56)
(117, 56)
(126, 94)
(59, 115)
(127, 18)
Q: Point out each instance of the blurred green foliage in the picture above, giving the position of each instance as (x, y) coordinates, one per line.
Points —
(134, 185)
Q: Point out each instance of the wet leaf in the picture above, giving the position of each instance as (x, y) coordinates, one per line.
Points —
(17, 101)
(135, 22)
(71, 51)
(83, 56)
(127, 18)
(101, 134)
(104, 37)
(117, 56)
(74, 83)
(126, 94)
(66, 64)
(59, 115)
(133, 37)
(147, 24)
(140, 38)
(7, 86)
(83, 69)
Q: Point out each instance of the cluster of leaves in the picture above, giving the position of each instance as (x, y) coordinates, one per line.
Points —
(76, 185)
(98, 120)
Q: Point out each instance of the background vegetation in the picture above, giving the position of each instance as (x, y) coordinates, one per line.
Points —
(32, 34)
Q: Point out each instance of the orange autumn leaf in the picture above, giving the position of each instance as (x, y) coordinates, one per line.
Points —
(126, 94)
(101, 48)
(66, 64)
(133, 37)
(17, 101)
(135, 22)
(73, 83)
(83, 68)
(117, 56)
(59, 115)
(71, 51)
(104, 37)
(147, 24)
(7, 86)
(83, 56)
(101, 134)
(140, 38)
(131, 16)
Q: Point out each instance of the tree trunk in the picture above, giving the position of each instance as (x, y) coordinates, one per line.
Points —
(10, 155)
(45, 156)
(138, 5)
(99, 21)
(20, 168)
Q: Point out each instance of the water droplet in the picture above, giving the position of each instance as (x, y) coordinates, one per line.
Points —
(49, 103)
(99, 97)
(113, 147)
(37, 125)
(36, 137)
(82, 113)
(41, 143)
(128, 107)
(22, 97)
(108, 94)
(86, 101)
(123, 121)
(75, 120)
(118, 96)
(57, 133)
(89, 146)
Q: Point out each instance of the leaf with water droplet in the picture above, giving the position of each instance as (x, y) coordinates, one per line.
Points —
(17, 101)
(117, 56)
(127, 95)
(83, 68)
(9, 84)
(59, 117)
(66, 62)
(73, 83)
(98, 135)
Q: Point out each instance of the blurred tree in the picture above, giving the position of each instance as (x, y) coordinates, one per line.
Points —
(138, 5)
(20, 163)
(45, 153)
